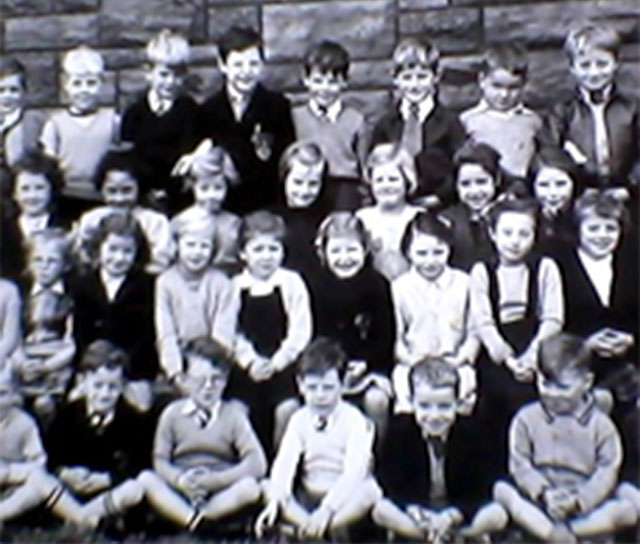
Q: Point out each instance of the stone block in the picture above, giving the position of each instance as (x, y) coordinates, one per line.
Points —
(421, 4)
(368, 73)
(549, 78)
(547, 23)
(366, 29)
(124, 23)
(452, 30)
(15, 8)
(74, 6)
(117, 59)
(222, 18)
(42, 78)
(52, 32)
(204, 54)
(284, 77)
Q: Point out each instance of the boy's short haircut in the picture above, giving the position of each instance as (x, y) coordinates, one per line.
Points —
(592, 36)
(11, 66)
(415, 53)
(306, 153)
(36, 162)
(214, 163)
(120, 224)
(168, 47)
(435, 372)
(511, 201)
(208, 349)
(426, 223)
(320, 356)
(238, 38)
(261, 222)
(563, 352)
(473, 152)
(393, 152)
(117, 161)
(83, 60)
(328, 58)
(511, 57)
(54, 235)
(341, 224)
(103, 353)
(596, 203)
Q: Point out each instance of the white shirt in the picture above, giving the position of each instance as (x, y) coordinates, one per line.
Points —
(424, 108)
(158, 105)
(238, 101)
(10, 119)
(332, 112)
(208, 417)
(600, 273)
(30, 225)
(57, 287)
(600, 133)
(111, 284)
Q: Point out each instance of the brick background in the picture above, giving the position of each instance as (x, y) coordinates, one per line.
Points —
(39, 31)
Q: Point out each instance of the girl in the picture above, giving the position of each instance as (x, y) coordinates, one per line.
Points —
(516, 301)
(209, 176)
(117, 181)
(554, 177)
(43, 362)
(192, 299)
(302, 172)
(431, 302)
(352, 304)
(477, 175)
(274, 325)
(114, 301)
(391, 175)
(35, 184)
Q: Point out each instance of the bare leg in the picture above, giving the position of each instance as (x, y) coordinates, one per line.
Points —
(488, 519)
(283, 414)
(526, 514)
(607, 518)
(293, 512)
(358, 505)
(630, 493)
(376, 406)
(244, 492)
(388, 516)
(116, 500)
(167, 501)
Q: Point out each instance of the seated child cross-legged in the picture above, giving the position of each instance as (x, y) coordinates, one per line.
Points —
(560, 492)
(331, 441)
(206, 456)
(434, 467)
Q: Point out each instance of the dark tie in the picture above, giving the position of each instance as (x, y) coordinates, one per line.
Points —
(597, 97)
(203, 417)
(321, 423)
(412, 131)
(438, 446)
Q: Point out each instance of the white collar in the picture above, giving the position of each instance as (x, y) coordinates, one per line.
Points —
(259, 287)
(600, 272)
(208, 417)
(441, 282)
(605, 262)
(97, 419)
(30, 225)
(57, 287)
(158, 105)
(518, 109)
(11, 119)
(586, 96)
(424, 108)
(332, 112)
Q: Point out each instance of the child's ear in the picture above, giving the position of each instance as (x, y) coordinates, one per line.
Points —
(300, 385)
(588, 381)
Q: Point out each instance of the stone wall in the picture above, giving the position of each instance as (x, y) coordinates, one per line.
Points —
(39, 31)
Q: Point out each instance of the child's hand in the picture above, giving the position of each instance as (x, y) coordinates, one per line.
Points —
(96, 481)
(610, 342)
(189, 483)
(444, 522)
(266, 519)
(518, 368)
(32, 368)
(74, 477)
(559, 502)
(317, 524)
(261, 370)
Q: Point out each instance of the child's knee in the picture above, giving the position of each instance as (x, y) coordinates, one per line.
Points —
(285, 410)
(504, 493)
(130, 492)
(248, 490)
(148, 479)
(376, 402)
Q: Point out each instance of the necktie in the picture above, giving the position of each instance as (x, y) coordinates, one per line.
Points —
(203, 417)
(321, 423)
(601, 138)
(597, 97)
(412, 131)
(96, 420)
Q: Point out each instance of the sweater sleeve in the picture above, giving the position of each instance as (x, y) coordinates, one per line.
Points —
(285, 465)
(163, 446)
(166, 331)
(50, 138)
(224, 312)
(402, 351)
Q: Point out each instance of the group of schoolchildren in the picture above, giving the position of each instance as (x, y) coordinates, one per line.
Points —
(294, 320)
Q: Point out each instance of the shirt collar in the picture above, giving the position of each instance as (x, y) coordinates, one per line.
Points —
(582, 414)
(11, 119)
(441, 282)
(247, 281)
(425, 108)
(330, 419)
(585, 95)
(97, 419)
(158, 104)
(518, 109)
(209, 417)
(605, 262)
(332, 112)
(57, 287)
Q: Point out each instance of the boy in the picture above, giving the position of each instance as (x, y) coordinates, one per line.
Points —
(433, 467)
(332, 441)
(79, 135)
(428, 130)
(325, 119)
(98, 443)
(206, 457)
(598, 126)
(251, 123)
(161, 123)
(562, 492)
(500, 119)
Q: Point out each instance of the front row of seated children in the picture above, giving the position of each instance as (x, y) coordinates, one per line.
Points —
(433, 479)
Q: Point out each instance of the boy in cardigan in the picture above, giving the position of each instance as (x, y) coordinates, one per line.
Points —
(563, 492)
(206, 457)
(325, 119)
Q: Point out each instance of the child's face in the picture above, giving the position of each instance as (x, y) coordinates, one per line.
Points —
(501, 89)
(243, 69)
(83, 90)
(302, 185)
(476, 187)
(388, 186)
(32, 193)
(210, 192)
(324, 87)
(513, 236)
(47, 263)
(553, 189)
(599, 236)
(321, 392)
(345, 256)
(195, 251)
(103, 389)
(563, 396)
(117, 254)
(594, 69)
(429, 255)
(11, 93)
(165, 80)
(416, 83)
(263, 255)
(207, 382)
(434, 408)
(120, 189)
